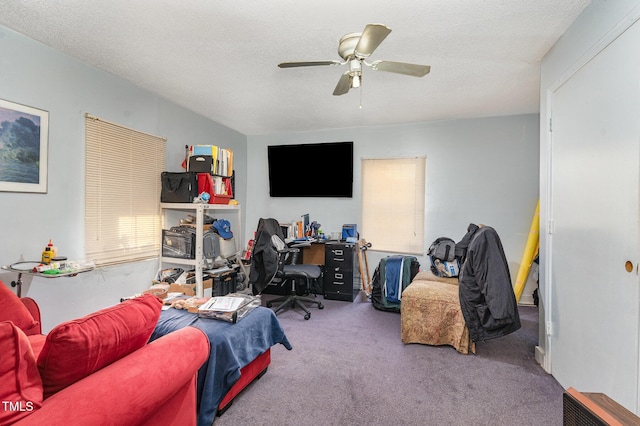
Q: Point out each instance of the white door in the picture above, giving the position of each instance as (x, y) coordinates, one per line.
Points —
(595, 155)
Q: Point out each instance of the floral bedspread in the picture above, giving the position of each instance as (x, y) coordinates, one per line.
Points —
(431, 313)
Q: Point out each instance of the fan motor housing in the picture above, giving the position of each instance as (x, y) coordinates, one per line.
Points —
(347, 45)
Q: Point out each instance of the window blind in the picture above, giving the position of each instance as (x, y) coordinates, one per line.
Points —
(122, 192)
(393, 195)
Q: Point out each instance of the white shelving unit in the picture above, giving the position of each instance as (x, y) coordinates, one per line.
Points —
(219, 211)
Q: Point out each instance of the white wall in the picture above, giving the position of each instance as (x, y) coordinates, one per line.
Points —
(478, 171)
(37, 76)
(594, 23)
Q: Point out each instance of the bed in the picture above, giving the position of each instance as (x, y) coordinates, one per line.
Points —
(239, 353)
(431, 315)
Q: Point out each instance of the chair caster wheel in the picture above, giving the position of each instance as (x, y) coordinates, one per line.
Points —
(320, 306)
(307, 316)
(269, 304)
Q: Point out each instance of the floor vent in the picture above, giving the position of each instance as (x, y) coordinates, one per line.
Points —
(594, 409)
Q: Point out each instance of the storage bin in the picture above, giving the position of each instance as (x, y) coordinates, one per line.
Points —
(227, 247)
(220, 199)
(224, 284)
(178, 244)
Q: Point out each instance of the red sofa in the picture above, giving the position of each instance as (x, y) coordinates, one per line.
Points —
(96, 370)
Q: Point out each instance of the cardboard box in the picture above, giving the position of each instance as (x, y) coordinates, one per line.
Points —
(205, 226)
(186, 289)
(206, 282)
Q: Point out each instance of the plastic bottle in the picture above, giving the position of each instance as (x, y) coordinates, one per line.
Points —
(49, 252)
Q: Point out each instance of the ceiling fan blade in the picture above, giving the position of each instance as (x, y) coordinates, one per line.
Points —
(414, 70)
(370, 39)
(307, 64)
(344, 84)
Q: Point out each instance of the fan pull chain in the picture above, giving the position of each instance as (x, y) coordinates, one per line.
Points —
(360, 97)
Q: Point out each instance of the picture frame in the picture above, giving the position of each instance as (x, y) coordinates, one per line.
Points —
(24, 140)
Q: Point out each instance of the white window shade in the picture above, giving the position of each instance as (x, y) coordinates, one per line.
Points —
(393, 195)
(122, 193)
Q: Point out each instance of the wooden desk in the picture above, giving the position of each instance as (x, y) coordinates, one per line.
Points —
(313, 254)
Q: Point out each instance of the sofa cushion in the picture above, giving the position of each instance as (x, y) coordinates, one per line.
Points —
(20, 384)
(14, 310)
(37, 343)
(76, 349)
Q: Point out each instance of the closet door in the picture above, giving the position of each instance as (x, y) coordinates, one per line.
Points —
(595, 154)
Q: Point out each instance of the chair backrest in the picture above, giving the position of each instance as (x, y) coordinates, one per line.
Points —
(277, 242)
(267, 262)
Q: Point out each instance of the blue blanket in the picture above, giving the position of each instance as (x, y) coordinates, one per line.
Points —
(233, 346)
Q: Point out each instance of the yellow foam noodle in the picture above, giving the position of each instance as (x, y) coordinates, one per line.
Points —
(529, 254)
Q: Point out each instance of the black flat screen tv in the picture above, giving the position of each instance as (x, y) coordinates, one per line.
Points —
(311, 170)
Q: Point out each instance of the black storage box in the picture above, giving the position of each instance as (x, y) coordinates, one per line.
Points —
(178, 244)
(223, 284)
(200, 164)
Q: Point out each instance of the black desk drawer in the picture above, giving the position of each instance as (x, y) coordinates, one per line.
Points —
(346, 297)
(339, 272)
(339, 255)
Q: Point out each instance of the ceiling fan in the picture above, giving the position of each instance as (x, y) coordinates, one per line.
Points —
(354, 48)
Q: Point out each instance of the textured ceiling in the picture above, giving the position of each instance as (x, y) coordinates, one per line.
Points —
(220, 58)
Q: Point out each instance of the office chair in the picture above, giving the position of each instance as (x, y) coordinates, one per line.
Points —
(274, 263)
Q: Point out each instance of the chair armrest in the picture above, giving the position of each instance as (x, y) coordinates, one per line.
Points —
(300, 244)
(289, 250)
(34, 310)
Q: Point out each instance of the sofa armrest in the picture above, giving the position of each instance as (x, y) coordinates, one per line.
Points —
(34, 310)
(135, 388)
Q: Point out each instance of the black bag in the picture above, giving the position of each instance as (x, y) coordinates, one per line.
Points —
(442, 255)
(180, 187)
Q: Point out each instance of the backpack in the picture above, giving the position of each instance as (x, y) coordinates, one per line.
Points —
(447, 256)
(210, 244)
(442, 254)
(378, 298)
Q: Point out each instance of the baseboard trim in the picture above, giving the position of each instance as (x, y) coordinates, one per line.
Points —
(541, 359)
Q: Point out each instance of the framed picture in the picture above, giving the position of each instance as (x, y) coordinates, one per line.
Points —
(24, 135)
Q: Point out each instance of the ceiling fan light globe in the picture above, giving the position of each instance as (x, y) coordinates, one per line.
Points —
(355, 67)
